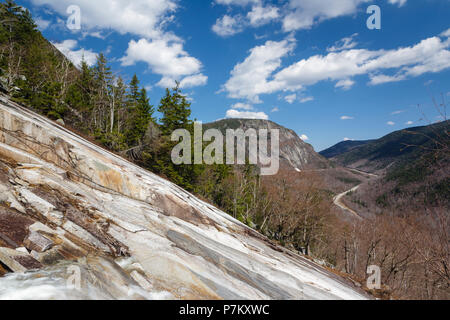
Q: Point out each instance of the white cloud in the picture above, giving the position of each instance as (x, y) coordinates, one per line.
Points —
(304, 137)
(262, 15)
(345, 84)
(348, 139)
(237, 2)
(344, 44)
(96, 34)
(143, 18)
(297, 14)
(446, 33)
(391, 123)
(163, 57)
(306, 99)
(166, 58)
(228, 25)
(303, 14)
(347, 118)
(194, 81)
(256, 75)
(42, 23)
(381, 78)
(397, 112)
(68, 48)
(276, 109)
(139, 17)
(290, 98)
(242, 106)
(250, 77)
(398, 2)
(235, 114)
(409, 123)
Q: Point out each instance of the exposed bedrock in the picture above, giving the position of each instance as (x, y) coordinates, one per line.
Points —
(67, 206)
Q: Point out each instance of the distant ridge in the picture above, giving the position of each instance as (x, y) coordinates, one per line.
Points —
(342, 147)
(403, 146)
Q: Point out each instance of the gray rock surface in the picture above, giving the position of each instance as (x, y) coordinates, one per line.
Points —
(130, 233)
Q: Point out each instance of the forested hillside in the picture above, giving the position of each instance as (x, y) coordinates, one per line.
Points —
(342, 147)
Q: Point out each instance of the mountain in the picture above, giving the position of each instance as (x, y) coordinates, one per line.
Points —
(399, 147)
(294, 152)
(69, 207)
(413, 167)
(342, 147)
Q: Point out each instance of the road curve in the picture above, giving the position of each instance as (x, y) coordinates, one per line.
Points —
(338, 202)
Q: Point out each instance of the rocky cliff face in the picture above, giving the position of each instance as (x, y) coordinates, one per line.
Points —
(71, 209)
(294, 152)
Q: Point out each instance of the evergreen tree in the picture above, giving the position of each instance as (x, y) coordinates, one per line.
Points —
(140, 113)
(102, 81)
(176, 111)
(134, 90)
(80, 95)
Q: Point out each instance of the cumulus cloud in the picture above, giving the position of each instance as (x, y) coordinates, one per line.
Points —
(304, 137)
(262, 15)
(161, 50)
(250, 78)
(259, 73)
(137, 17)
(409, 123)
(391, 123)
(347, 118)
(303, 14)
(291, 98)
(276, 109)
(259, 15)
(297, 14)
(167, 59)
(69, 49)
(235, 114)
(228, 25)
(163, 58)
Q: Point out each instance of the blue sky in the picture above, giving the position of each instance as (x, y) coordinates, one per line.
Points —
(310, 65)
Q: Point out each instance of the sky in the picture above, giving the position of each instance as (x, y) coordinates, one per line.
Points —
(313, 66)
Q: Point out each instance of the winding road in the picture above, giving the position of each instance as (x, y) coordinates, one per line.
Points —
(338, 202)
(338, 199)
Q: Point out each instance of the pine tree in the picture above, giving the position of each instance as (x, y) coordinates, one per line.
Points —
(176, 111)
(81, 93)
(103, 78)
(134, 90)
